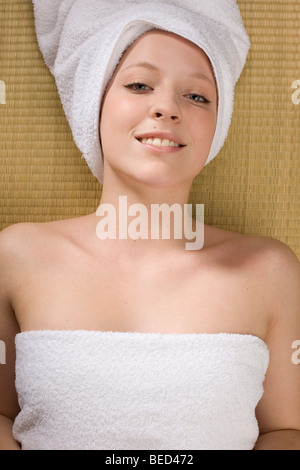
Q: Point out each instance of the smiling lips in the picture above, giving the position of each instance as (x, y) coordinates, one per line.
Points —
(161, 141)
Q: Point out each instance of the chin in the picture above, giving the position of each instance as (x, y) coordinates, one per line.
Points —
(161, 177)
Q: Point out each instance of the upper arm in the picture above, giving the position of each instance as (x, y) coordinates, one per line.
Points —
(280, 405)
(8, 327)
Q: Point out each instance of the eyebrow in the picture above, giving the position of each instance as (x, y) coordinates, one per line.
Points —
(149, 66)
(146, 65)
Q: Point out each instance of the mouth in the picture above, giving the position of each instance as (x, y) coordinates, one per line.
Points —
(160, 139)
(160, 142)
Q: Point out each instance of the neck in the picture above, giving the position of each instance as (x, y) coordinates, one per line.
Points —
(138, 218)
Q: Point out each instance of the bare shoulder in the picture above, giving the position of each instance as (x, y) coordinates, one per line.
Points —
(15, 238)
(19, 242)
(24, 240)
(273, 266)
(15, 241)
(277, 270)
(282, 284)
(267, 255)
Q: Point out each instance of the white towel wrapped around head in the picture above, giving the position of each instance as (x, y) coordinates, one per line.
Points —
(82, 42)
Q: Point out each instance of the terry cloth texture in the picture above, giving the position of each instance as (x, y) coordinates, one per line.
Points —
(87, 390)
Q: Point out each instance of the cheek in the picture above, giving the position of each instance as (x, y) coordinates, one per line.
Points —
(119, 116)
(204, 129)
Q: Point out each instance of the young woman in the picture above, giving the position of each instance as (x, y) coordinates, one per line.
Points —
(140, 343)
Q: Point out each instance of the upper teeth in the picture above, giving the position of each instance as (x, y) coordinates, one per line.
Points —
(160, 142)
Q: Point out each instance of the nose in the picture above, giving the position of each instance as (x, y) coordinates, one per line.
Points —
(166, 107)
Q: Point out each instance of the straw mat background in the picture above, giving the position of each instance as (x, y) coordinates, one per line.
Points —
(252, 187)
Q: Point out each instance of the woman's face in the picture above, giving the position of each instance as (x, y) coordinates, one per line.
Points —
(159, 112)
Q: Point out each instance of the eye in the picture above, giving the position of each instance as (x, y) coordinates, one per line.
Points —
(198, 98)
(138, 87)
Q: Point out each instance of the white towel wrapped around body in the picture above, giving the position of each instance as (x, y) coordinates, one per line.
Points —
(89, 390)
(82, 42)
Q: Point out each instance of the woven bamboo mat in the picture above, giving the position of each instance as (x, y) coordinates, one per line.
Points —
(251, 187)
